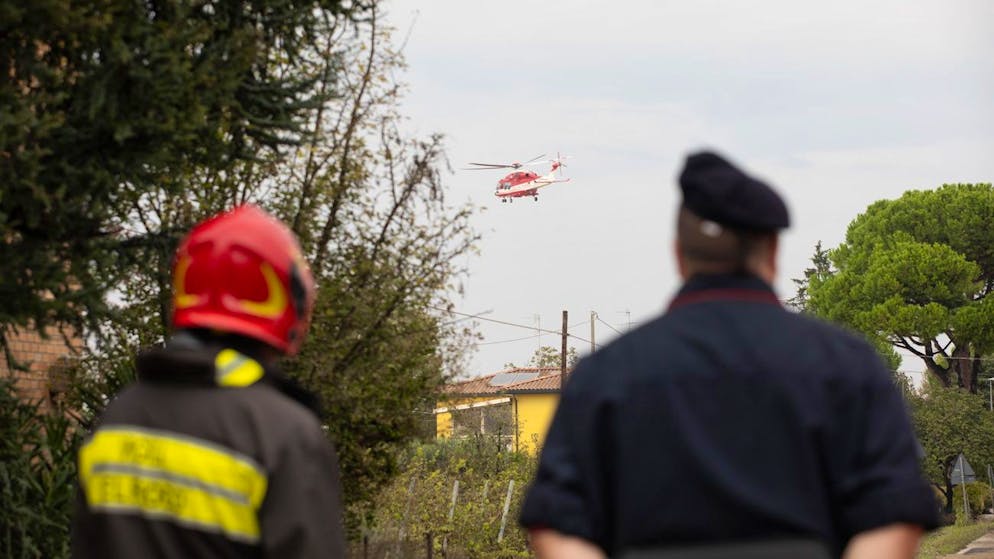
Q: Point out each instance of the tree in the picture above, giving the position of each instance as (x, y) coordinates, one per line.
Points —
(916, 273)
(369, 206)
(548, 356)
(102, 102)
(367, 202)
(821, 268)
(949, 421)
(820, 271)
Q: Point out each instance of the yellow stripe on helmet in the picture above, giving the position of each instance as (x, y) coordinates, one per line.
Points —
(182, 299)
(276, 300)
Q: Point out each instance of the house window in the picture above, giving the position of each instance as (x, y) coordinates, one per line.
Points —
(494, 420)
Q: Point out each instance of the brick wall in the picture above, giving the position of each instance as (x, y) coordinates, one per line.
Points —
(46, 360)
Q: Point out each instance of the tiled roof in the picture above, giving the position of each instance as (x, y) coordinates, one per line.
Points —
(479, 385)
(547, 383)
(547, 380)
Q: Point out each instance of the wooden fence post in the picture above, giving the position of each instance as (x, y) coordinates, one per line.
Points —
(507, 506)
(402, 533)
(452, 511)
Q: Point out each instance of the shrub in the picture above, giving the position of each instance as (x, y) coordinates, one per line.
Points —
(418, 501)
(978, 497)
(37, 478)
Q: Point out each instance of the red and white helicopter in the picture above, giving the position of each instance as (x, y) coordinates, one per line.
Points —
(524, 183)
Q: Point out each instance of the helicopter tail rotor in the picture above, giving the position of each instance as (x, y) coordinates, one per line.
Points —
(561, 161)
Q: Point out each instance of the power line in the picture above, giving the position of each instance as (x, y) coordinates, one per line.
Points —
(939, 357)
(477, 315)
(507, 341)
(601, 320)
(577, 337)
(506, 323)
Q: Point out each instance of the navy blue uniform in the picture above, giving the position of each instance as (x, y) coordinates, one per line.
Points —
(728, 419)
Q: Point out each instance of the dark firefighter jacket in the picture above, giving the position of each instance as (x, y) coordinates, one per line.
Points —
(208, 455)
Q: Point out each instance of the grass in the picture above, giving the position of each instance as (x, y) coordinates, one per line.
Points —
(950, 539)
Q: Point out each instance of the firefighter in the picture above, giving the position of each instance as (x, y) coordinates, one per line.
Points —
(213, 452)
(729, 426)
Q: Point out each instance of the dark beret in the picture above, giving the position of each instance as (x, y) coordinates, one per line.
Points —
(717, 191)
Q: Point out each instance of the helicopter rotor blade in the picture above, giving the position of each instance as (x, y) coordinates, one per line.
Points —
(537, 160)
(483, 166)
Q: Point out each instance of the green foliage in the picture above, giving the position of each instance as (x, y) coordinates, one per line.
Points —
(978, 498)
(419, 499)
(549, 356)
(915, 273)
(949, 421)
(373, 400)
(125, 123)
(950, 539)
(821, 268)
(369, 207)
(821, 271)
(103, 102)
(37, 478)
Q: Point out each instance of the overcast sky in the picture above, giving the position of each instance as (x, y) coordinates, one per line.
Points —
(837, 104)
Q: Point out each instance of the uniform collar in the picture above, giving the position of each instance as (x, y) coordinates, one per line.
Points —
(724, 287)
(207, 362)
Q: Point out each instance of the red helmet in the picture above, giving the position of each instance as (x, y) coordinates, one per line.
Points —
(243, 272)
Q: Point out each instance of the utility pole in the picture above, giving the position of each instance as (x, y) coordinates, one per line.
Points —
(628, 317)
(538, 328)
(593, 317)
(562, 355)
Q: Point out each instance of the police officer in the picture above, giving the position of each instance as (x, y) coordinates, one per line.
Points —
(213, 452)
(728, 426)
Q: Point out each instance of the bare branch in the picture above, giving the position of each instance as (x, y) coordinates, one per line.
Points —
(331, 220)
(903, 343)
(311, 170)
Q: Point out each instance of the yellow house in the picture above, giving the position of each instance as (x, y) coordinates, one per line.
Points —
(515, 405)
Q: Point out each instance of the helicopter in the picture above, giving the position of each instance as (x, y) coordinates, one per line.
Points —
(523, 183)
